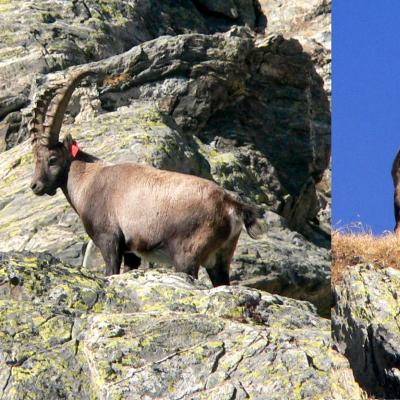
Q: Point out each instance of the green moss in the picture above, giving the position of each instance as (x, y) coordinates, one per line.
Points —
(30, 262)
(47, 17)
(171, 386)
(200, 354)
(7, 37)
(11, 52)
(149, 118)
(215, 344)
(56, 329)
(97, 308)
(115, 11)
(222, 158)
(6, 5)
(31, 380)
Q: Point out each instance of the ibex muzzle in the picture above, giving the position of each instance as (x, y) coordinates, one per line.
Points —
(50, 169)
(132, 210)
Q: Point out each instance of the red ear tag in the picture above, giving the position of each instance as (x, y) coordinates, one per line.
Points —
(74, 149)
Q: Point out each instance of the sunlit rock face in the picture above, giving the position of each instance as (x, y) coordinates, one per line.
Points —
(212, 88)
(181, 103)
(157, 334)
(366, 327)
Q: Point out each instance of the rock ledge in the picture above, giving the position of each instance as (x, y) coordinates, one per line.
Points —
(156, 334)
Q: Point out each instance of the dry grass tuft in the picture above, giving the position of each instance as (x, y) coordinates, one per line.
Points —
(115, 80)
(357, 245)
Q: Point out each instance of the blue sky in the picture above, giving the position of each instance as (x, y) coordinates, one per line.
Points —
(366, 110)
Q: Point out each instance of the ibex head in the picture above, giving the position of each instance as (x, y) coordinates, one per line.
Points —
(52, 157)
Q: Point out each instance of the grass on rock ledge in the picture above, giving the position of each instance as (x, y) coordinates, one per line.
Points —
(354, 246)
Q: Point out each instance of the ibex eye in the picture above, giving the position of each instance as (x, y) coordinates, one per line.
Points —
(52, 161)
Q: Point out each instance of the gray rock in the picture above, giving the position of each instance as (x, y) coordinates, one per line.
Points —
(366, 327)
(284, 262)
(212, 85)
(66, 334)
(309, 21)
(116, 121)
(282, 123)
(47, 36)
(199, 82)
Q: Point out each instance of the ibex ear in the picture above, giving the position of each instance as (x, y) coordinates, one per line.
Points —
(67, 142)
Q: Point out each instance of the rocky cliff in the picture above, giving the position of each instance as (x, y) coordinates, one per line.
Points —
(231, 90)
(214, 99)
(365, 317)
(65, 334)
(366, 327)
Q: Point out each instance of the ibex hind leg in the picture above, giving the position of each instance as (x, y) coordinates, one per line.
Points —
(189, 266)
(188, 263)
(218, 265)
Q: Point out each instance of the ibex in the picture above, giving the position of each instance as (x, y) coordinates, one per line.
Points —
(132, 210)
(396, 183)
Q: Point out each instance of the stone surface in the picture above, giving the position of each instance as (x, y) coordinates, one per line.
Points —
(366, 327)
(309, 21)
(258, 100)
(215, 98)
(270, 134)
(284, 262)
(188, 78)
(47, 36)
(250, 95)
(66, 335)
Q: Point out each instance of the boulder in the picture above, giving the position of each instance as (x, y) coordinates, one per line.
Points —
(66, 334)
(308, 21)
(284, 262)
(47, 36)
(366, 327)
(259, 99)
(156, 104)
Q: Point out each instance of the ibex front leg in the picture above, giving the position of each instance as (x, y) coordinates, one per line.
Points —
(111, 249)
(397, 209)
(131, 261)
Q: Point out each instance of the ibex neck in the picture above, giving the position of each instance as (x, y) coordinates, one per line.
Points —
(79, 179)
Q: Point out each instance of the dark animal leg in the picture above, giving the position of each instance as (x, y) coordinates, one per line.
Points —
(185, 260)
(189, 266)
(111, 250)
(396, 182)
(131, 261)
(397, 210)
(219, 274)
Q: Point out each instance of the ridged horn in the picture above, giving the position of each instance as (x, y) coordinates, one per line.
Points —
(55, 111)
(40, 105)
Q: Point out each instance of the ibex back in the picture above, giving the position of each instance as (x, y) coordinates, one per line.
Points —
(132, 210)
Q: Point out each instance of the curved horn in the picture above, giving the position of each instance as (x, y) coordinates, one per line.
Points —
(40, 105)
(58, 105)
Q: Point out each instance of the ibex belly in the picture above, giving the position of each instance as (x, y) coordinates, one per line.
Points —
(158, 255)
